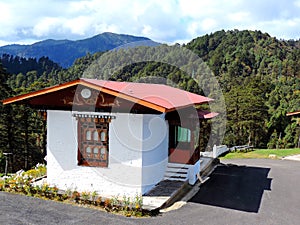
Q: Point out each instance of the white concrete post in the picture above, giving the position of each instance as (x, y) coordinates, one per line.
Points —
(192, 172)
(215, 153)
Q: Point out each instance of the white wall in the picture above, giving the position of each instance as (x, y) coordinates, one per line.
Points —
(155, 150)
(135, 164)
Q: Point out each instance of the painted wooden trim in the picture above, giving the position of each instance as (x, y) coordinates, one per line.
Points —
(124, 96)
(86, 83)
(40, 92)
(293, 113)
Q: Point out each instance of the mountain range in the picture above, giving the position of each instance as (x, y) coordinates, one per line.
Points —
(65, 52)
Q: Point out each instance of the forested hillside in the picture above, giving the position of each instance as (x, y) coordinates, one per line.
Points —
(258, 74)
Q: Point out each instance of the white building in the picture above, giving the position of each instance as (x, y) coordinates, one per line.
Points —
(117, 138)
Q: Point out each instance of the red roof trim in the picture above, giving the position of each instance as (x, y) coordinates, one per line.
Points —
(204, 114)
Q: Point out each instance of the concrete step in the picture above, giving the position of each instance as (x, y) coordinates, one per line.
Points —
(176, 178)
(171, 190)
(178, 174)
(175, 172)
(178, 165)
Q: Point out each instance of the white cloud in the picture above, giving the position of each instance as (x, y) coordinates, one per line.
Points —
(200, 9)
(46, 26)
(100, 28)
(208, 24)
(239, 17)
(297, 3)
(4, 43)
(286, 29)
(77, 7)
(79, 25)
(6, 19)
(147, 30)
(205, 25)
(160, 20)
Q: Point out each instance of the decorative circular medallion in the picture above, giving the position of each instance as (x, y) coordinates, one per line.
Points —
(86, 93)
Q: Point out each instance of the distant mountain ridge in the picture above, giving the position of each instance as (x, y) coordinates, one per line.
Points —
(65, 52)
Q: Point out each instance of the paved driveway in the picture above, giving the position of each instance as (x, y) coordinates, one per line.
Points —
(239, 192)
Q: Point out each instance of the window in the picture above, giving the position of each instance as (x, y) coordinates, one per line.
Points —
(180, 137)
(183, 134)
(93, 141)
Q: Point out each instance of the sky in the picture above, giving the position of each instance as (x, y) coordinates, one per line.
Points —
(166, 21)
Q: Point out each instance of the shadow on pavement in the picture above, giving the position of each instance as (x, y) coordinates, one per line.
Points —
(235, 187)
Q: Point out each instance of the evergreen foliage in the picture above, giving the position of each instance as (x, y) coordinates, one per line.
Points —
(258, 74)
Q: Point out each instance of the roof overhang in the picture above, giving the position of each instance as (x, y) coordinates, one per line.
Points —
(191, 114)
(121, 90)
(22, 98)
(203, 114)
(296, 113)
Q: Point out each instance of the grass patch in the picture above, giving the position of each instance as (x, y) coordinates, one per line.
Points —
(262, 154)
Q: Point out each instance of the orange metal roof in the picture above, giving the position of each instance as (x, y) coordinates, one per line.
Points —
(159, 97)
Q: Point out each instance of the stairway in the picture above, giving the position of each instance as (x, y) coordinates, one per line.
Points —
(176, 171)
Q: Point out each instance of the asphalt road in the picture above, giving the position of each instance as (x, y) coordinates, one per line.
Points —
(254, 191)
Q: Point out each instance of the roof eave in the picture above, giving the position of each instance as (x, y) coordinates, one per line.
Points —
(293, 113)
(189, 105)
(30, 95)
(24, 97)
